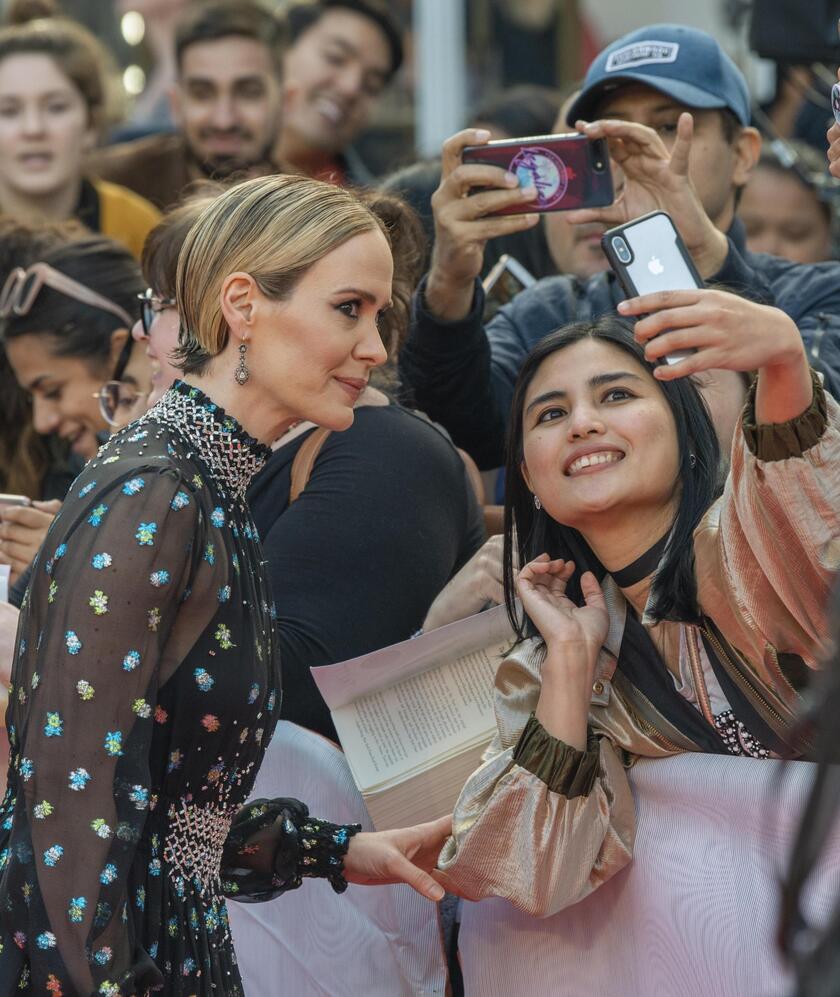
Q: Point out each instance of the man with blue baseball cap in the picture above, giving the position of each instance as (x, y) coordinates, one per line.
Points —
(675, 110)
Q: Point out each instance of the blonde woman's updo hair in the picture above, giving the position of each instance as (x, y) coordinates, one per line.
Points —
(273, 228)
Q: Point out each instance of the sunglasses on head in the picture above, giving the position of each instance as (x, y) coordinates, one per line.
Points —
(152, 305)
(22, 288)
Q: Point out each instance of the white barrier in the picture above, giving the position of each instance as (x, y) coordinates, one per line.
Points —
(381, 941)
(695, 913)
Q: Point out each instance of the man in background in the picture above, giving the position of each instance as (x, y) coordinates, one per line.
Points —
(225, 103)
(340, 56)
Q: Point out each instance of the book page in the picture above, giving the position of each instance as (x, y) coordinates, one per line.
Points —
(391, 732)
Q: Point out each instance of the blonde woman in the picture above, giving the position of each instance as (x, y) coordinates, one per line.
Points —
(145, 686)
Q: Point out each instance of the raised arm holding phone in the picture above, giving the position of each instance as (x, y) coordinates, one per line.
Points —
(677, 123)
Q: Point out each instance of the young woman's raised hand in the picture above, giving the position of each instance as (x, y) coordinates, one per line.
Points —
(541, 586)
(726, 332)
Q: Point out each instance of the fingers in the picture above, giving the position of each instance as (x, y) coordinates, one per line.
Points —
(661, 300)
(593, 594)
(53, 506)
(455, 145)
(27, 516)
(681, 149)
(644, 139)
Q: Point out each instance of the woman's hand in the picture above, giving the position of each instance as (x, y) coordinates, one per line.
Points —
(469, 591)
(8, 637)
(406, 855)
(22, 531)
(542, 588)
(573, 636)
(727, 332)
(653, 177)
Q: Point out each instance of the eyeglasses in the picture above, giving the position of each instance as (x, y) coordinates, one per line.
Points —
(150, 306)
(116, 400)
(22, 287)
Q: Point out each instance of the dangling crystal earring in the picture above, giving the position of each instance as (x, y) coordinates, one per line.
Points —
(242, 373)
(537, 503)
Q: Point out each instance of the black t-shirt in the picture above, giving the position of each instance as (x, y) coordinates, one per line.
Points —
(386, 519)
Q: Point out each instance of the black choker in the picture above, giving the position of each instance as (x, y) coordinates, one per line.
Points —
(642, 566)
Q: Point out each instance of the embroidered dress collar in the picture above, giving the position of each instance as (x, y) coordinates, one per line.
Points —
(232, 455)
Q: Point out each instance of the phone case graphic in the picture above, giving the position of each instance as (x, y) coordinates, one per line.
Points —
(568, 171)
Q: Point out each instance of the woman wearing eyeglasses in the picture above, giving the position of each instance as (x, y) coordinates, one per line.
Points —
(146, 685)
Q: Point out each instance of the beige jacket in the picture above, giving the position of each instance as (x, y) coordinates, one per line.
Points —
(543, 825)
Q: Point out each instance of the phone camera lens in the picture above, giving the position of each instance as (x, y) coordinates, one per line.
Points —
(598, 166)
(622, 251)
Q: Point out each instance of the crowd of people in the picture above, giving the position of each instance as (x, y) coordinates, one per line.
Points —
(191, 317)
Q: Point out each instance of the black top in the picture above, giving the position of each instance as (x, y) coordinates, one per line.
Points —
(144, 692)
(387, 518)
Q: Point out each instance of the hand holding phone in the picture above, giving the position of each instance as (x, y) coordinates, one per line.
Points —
(14, 500)
(648, 255)
(567, 171)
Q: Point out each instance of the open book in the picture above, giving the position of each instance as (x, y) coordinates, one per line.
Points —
(414, 718)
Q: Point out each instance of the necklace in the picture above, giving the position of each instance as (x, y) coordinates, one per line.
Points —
(643, 566)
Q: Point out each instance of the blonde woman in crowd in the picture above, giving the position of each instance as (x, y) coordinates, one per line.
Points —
(146, 684)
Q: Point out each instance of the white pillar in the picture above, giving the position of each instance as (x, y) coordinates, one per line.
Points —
(441, 72)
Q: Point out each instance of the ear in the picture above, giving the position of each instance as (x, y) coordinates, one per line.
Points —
(238, 303)
(747, 150)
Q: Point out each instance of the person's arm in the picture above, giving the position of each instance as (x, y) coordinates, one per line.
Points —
(22, 531)
(548, 817)
(773, 547)
(85, 683)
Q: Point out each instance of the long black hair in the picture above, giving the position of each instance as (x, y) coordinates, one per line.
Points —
(529, 531)
(77, 329)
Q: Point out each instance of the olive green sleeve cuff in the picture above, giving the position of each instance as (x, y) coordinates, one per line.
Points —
(783, 440)
(564, 769)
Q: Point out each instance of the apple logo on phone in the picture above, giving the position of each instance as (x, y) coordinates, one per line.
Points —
(655, 266)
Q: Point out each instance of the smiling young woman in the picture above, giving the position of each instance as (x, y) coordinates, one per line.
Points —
(659, 614)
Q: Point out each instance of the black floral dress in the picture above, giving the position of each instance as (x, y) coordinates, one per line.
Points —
(144, 692)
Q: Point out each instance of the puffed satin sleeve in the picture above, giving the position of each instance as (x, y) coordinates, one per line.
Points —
(768, 551)
(540, 823)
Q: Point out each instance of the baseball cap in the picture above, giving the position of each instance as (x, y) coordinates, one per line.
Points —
(685, 63)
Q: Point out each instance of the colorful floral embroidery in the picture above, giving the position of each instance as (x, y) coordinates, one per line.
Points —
(224, 593)
(181, 501)
(145, 535)
(159, 578)
(98, 602)
(141, 708)
(26, 769)
(43, 810)
(85, 690)
(133, 486)
(72, 642)
(46, 940)
(210, 554)
(217, 517)
(113, 743)
(100, 828)
(53, 590)
(223, 636)
(139, 796)
(108, 874)
(54, 727)
(176, 757)
(52, 855)
(131, 661)
(161, 716)
(203, 679)
(100, 561)
(79, 778)
(254, 693)
(96, 516)
(76, 909)
(103, 956)
(210, 722)
(154, 619)
(88, 488)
